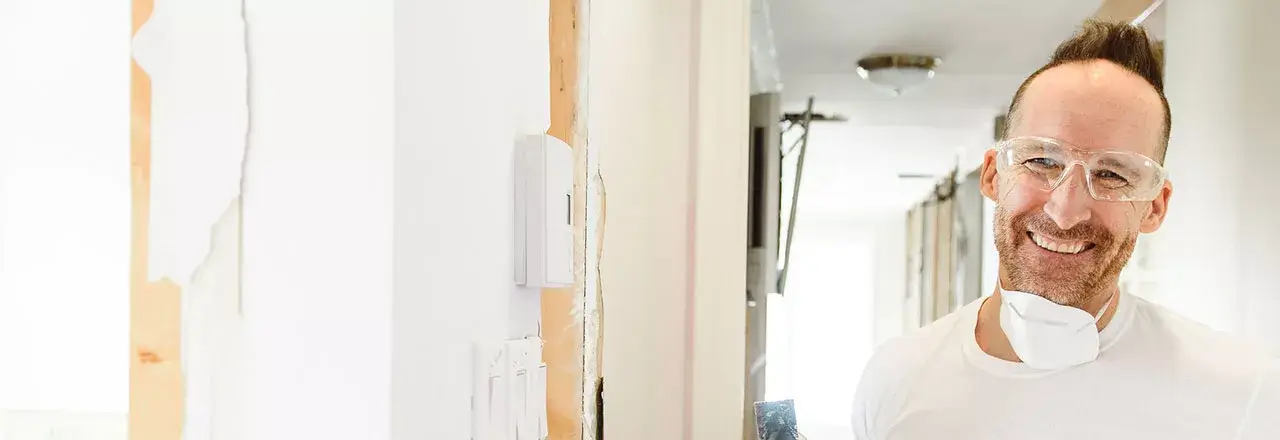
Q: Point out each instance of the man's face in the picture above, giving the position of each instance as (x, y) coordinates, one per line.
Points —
(1061, 243)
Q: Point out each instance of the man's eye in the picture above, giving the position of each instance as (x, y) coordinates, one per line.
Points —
(1041, 163)
(1110, 178)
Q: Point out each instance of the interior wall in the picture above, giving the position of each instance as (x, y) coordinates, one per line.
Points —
(455, 124)
(912, 306)
(762, 260)
(64, 219)
(319, 255)
(721, 112)
(831, 302)
(968, 234)
(990, 257)
(1216, 252)
(848, 290)
(668, 93)
(318, 220)
(890, 274)
(639, 117)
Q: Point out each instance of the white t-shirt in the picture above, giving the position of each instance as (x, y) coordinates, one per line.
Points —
(1158, 376)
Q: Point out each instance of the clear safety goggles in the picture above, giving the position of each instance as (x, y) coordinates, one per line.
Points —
(1112, 176)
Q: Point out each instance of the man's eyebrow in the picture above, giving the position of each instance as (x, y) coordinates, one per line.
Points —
(1111, 161)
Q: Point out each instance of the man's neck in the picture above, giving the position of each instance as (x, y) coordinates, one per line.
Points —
(994, 342)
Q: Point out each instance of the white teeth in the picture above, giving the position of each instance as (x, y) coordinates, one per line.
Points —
(1062, 248)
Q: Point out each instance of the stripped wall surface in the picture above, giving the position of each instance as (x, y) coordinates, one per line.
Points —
(155, 369)
(563, 308)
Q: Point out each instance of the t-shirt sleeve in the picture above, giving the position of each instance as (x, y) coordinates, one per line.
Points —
(1263, 420)
(875, 390)
(865, 398)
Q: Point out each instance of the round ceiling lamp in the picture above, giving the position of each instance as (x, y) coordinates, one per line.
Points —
(898, 72)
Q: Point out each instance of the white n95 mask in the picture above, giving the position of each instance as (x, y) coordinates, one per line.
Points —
(1047, 335)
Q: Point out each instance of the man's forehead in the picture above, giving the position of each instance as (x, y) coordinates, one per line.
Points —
(1094, 105)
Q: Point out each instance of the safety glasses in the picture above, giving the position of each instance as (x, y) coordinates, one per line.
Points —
(1111, 176)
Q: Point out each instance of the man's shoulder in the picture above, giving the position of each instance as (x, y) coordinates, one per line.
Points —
(1214, 359)
(892, 367)
(902, 354)
(1193, 337)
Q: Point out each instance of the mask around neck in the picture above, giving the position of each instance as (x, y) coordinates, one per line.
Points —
(1047, 335)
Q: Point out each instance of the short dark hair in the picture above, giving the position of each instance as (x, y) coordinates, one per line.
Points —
(1121, 43)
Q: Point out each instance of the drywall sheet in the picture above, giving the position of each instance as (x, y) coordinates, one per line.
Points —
(194, 53)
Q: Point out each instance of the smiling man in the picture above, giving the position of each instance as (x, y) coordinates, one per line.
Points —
(1057, 351)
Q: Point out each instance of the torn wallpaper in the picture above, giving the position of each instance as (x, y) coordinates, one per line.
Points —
(194, 52)
(214, 339)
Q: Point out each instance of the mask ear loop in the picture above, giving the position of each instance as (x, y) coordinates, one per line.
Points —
(1102, 311)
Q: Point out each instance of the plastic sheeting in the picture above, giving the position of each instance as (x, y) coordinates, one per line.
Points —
(765, 75)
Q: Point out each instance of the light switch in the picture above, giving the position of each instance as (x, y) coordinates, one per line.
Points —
(517, 387)
(510, 391)
(539, 400)
(544, 212)
(489, 395)
(500, 417)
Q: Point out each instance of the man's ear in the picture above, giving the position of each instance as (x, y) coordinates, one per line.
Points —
(1159, 207)
(987, 182)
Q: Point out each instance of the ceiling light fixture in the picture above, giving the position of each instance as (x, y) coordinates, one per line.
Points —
(898, 72)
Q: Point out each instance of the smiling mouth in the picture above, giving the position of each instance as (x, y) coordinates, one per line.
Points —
(1067, 247)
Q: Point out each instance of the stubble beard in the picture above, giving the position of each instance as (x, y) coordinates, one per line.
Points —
(1076, 286)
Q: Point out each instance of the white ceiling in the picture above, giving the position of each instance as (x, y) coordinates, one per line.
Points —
(987, 46)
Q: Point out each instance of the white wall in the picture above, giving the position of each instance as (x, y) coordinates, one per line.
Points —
(64, 213)
(378, 223)
(1219, 247)
(318, 219)
(889, 239)
(990, 257)
(844, 298)
(639, 91)
(831, 302)
(668, 93)
(453, 206)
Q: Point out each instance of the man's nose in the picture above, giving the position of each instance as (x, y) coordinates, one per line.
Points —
(1070, 203)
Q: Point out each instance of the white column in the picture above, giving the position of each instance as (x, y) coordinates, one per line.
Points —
(1219, 250)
